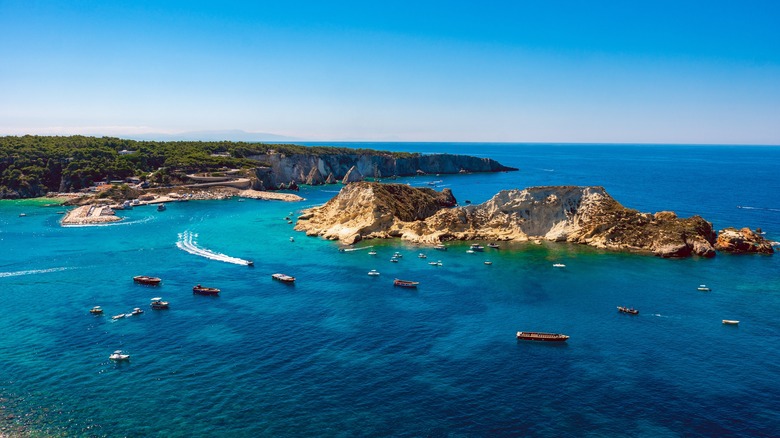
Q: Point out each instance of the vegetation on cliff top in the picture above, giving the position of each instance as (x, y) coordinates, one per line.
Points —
(34, 165)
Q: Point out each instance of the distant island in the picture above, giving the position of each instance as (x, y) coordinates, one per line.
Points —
(121, 169)
(584, 215)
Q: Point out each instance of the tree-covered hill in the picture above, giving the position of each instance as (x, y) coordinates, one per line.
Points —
(31, 166)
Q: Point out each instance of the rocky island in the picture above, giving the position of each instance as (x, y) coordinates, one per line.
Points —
(584, 215)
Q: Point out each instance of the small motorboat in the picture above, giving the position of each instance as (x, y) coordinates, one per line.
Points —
(120, 316)
(398, 255)
(145, 279)
(438, 263)
(493, 245)
(136, 311)
(469, 251)
(22, 214)
(488, 262)
(433, 263)
(119, 355)
(394, 260)
(629, 310)
(405, 283)
(558, 265)
(730, 322)
(477, 247)
(540, 336)
(161, 207)
(292, 239)
(440, 247)
(372, 252)
(373, 272)
(703, 288)
(97, 310)
(283, 278)
(158, 304)
(422, 256)
(250, 263)
(201, 290)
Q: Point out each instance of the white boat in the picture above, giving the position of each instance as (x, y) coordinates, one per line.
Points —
(136, 311)
(469, 251)
(730, 322)
(558, 265)
(488, 262)
(433, 263)
(161, 207)
(398, 255)
(97, 310)
(373, 272)
(372, 252)
(292, 239)
(438, 263)
(703, 288)
(440, 247)
(422, 256)
(119, 355)
(394, 260)
(120, 316)
(477, 247)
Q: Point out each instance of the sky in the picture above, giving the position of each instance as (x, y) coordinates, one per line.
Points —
(504, 71)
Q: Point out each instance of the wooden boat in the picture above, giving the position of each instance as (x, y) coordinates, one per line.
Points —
(540, 336)
(200, 290)
(405, 283)
(283, 278)
(144, 279)
(703, 288)
(96, 310)
(730, 322)
(158, 304)
(629, 310)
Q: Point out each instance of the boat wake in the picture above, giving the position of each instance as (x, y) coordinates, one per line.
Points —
(758, 208)
(30, 272)
(188, 244)
(355, 249)
(112, 224)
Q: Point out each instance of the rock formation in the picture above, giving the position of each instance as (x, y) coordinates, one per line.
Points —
(278, 167)
(353, 175)
(314, 178)
(742, 242)
(330, 179)
(585, 215)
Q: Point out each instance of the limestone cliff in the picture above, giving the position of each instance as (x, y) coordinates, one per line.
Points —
(743, 241)
(586, 215)
(280, 168)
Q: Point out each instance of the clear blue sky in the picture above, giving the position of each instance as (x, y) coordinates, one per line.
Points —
(524, 71)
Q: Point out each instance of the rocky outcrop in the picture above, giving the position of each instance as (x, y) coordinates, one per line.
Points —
(586, 215)
(742, 241)
(278, 167)
(353, 175)
(330, 179)
(314, 178)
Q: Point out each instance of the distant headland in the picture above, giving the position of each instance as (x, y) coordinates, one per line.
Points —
(120, 169)
(585, 215)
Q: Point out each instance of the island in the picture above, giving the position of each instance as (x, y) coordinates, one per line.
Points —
(584, 215)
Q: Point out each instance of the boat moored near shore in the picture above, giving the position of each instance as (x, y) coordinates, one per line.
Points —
(541, 336)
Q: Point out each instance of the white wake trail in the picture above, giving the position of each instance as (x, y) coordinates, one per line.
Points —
(30, 272)
(188, 244)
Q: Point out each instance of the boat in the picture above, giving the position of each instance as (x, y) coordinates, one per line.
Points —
(397, 255)
(158, 304)
(161, 207)
(250, 263)
(438, 263)
(292, 239)
(629, 310)
(433, 263)
(120, 316)
(440, 247)
(703, 288)
(119, 355)
(200, 290)
(493, 245)
(540, 336)
(488, 262)
(373, 272)
(372, 252)
(144, 279)
(558, 265)
(394, 260)
(405, 283)
(477, 247)
(422, 256)
(283, 278)
(136, 311)
(96, 310)
(22, 214)
(469, 251)
(730, 322)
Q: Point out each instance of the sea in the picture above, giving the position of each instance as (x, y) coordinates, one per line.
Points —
(340, 353)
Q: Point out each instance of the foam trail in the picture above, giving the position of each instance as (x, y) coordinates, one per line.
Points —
(30, 272)
(357, 249)
(188, 244)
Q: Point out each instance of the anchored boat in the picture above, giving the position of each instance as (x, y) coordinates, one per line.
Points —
(541, 336)
(200, 290)
(405, 283)
(145, 279)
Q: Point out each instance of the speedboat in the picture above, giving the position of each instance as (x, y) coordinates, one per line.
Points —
(120, 316)
(703, 288)
(372, 252)
(201, 290)
(558, 265)
(422, 256)
(119, 355)
(158, 304)
(136, 311)
(250, 263)
(398, 255)
(730, 322)
(488, 262)
(96, 310)
(373, 272)
(433, 263)
(469, 251)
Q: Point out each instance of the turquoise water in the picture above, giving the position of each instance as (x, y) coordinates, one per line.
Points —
(341, 353)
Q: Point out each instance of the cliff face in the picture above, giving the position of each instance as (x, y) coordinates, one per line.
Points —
(585, 215)
(285, 168)
(743, 241)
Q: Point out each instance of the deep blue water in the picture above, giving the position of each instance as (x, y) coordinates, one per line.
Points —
(341, 353)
